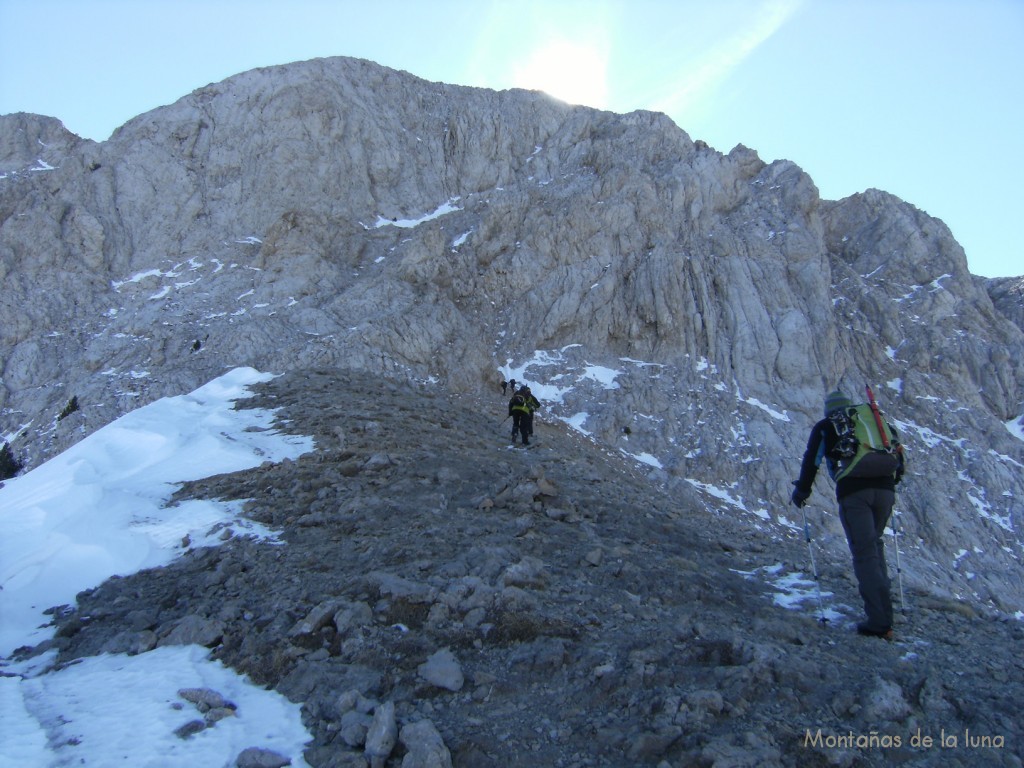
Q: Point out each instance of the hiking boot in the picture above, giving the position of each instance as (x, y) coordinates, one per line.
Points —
(866, 631)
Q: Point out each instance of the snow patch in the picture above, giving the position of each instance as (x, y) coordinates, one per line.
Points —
(98, 509)
(728, 498)
(984, 509)
(777, 415)
(441, 210)
(124, 710)
(1004, 458)
(603, 376)
(645, 458)
(1016, 427)
(641, 363)
(792, 590)
(577, 420)
(928, 436)
(547, 393)
(138, 277)
(704, 365)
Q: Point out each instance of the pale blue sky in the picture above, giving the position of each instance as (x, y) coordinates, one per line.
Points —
(921, 98)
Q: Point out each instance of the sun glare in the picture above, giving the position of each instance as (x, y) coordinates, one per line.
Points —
(572, 72)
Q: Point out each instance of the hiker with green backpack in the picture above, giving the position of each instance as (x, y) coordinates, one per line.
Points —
(519, 410)
(865, 459)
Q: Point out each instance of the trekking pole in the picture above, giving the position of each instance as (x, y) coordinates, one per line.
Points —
(814, 567)
(899, 570)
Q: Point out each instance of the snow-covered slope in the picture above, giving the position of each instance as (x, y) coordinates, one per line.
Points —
(100, 510)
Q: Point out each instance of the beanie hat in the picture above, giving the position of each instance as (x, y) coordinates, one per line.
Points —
(836, 399)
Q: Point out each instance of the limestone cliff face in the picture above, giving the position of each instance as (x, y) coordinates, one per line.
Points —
(1008, 297)
(685, 306)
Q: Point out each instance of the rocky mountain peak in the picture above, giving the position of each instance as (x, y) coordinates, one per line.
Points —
(34, 141)
(680, 306)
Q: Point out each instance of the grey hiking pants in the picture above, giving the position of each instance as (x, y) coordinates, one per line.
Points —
(864, 514)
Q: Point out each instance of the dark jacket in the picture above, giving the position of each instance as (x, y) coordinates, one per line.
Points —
(820, 445)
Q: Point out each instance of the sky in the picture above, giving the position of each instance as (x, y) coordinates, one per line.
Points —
(98, 510)
(920, 98)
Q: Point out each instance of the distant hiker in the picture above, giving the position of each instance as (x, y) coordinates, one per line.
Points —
(532, 404)
(866, 479)
(512, 385)
(504, 387)
(520, 413)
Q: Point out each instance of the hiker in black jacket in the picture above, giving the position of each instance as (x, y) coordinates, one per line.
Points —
(865, 504)
(519, 410)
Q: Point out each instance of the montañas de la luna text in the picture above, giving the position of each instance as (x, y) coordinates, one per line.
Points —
(918, 740)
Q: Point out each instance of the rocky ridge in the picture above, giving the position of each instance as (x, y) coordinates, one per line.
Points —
(444, 599)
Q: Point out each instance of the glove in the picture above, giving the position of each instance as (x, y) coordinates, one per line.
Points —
(799, 497)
